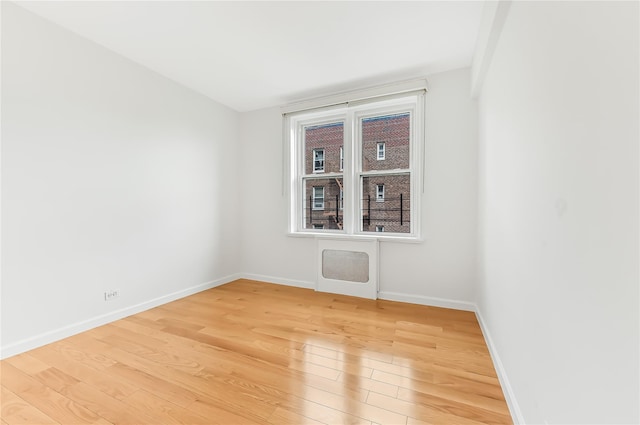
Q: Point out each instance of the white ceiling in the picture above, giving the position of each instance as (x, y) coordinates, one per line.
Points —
(251, 55)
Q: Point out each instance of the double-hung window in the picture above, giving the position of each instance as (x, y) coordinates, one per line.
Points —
(357, 167)
(381, 151)
(380, 192)
(318, 160)
(318, 198)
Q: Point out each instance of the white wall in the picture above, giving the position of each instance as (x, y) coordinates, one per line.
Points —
(442, 267)
(559, 210)
(113, 177)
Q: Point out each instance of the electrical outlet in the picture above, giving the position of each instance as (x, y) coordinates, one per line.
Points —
(111, 294)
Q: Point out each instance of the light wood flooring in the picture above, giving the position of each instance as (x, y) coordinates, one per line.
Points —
(255, 353)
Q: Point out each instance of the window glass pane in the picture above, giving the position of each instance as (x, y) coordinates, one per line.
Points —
(322, 147)
(381, 151)
(380, 192)
(394, 212)
(318, 160)
(394, 132)
(322, 205)
(318, 198)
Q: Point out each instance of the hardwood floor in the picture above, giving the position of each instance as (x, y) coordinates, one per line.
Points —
(255, 353)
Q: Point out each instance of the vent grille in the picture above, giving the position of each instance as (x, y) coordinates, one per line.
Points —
(348, 267)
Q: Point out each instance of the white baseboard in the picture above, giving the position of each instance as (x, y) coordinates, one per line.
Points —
(385, 295)
(512, 402)
(73, 329)
(278, 280)
(430, 301)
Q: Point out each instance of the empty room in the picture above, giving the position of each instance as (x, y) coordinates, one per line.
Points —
(332, 212)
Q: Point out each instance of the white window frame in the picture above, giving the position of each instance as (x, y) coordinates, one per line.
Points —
(342, 158)
(379, 193)
(324, 158)
(378, 151)
(352, 174)
(314, 206)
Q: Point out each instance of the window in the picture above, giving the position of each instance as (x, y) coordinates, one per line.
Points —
(338, 177)
(381, 151)
(318, 198)
(318, 226)
(318, 160)
(380, 192)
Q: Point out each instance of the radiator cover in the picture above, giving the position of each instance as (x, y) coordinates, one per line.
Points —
(348, 267)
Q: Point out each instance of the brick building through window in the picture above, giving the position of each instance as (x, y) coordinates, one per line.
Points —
(386, 200)
(328, 139)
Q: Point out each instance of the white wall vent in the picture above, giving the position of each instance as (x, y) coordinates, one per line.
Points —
(348, 267)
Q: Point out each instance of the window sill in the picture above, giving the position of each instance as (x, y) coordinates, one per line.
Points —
(356, 237)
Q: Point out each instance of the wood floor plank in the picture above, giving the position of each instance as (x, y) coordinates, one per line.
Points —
(251, 353)
(333, 350)
(47, 400)
(285, 417)
(321, 413)
(353, 406)
(27, 363)
(163, 411)
(218, 415)
(349, 382)
(158, 386)
(425, 391)
(438, 369)
(416, 410)
(115, 411)
(16, 411)
(79, 371)
(55, 379)
(77, 355)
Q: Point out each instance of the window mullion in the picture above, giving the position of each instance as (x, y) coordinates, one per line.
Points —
(348, 207)
(357, 195)
(299, 190)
